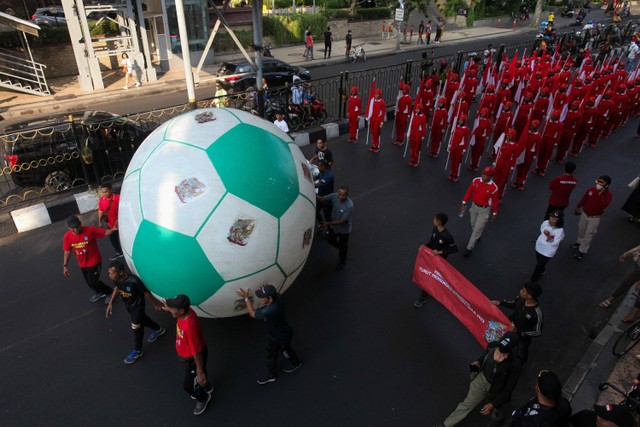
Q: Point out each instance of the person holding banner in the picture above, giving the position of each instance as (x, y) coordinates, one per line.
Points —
(526, 317)
(441, 243)
(483, 193)
(496, 375)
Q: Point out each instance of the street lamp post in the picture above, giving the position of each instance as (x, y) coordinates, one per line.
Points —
(186, 54)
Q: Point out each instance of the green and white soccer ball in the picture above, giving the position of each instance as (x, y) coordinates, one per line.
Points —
(215, 200)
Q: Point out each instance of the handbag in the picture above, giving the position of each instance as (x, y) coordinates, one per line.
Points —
(125, 69)
(634, 183)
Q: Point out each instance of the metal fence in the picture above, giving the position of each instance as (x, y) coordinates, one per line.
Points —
(74, 152)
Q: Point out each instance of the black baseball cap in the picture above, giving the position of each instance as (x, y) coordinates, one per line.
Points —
(266, 291)
(180, 301)
(508, 342)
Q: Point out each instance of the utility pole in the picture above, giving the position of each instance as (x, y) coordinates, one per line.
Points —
(257, 42)
(186, 54)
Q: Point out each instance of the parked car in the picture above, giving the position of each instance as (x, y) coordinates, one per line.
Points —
(239, 76)
(66, 150)
(49, 17)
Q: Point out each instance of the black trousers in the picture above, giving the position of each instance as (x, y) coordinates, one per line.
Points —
(540, 266)
(190, 383)
(327, 50)
(92, 277)
(273, 348)
(115, 242)
(340, 241)
(139, 321)
(438, 34)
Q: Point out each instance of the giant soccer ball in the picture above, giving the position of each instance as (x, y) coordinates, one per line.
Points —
(215, 200)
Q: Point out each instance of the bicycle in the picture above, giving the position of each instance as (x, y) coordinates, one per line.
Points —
(357, 52)
(629, 339)
(630, 401)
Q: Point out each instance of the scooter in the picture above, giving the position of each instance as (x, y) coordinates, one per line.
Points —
(266, 51)
(567, 12)
(357, 53)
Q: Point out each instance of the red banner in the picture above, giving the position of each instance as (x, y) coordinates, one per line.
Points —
(450, 288)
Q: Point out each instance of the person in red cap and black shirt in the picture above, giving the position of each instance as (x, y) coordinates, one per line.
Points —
(483, 193)
(192, 351)
(603, 416)
(417, 132)
(354, 109)
(279, 333)
(498, 371)
(590, 208)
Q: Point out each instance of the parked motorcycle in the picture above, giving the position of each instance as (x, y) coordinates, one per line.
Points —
(266, 51)
(357, 52)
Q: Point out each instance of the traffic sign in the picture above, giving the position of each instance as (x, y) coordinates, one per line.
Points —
(399, 14)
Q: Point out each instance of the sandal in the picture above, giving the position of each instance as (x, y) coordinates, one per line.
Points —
(606, 303)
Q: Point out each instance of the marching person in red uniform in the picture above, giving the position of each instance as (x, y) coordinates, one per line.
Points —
(506, 155)
(461, 107)
(417, 132)
(483, 193)
(561, 97)
(523, 112)
(403, 110)
(488, 100)
(354, 108)
(504, 93)
(577, 91)
(427, 98)
(530, 148)
(603, 117)
(471, 87)
(457, 147)
(377, 120)
(479, 137)
(569, 128)
(452, 86)
(588, 121)
(438, 126)
(550, 136)
(503, 121)
(619, 108)
(542, 105)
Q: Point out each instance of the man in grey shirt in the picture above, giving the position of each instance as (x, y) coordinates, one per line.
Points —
(340, 224)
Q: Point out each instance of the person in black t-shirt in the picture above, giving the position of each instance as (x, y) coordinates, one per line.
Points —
(547, 409)
(322, 152)
(328, 39)
(133, 293)
(279, 333)
(441, 243)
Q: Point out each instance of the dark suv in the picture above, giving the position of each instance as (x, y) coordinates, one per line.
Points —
(240, 75)
(64, 151)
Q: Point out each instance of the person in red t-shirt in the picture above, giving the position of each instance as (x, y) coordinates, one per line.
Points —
(191, 350)
(108, 214)
(591, 208)
(483, 193)
(561, 188)
(82, 241)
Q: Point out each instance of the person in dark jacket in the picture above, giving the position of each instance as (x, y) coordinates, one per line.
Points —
(526, 316)
(548, 408)
(498, 371)
(441, 243)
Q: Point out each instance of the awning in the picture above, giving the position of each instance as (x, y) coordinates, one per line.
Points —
(19, 24)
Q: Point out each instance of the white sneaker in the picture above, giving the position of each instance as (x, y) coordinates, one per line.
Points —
(126, 87)
(138, 84)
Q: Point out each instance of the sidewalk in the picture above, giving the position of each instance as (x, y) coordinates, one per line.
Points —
(68, 96)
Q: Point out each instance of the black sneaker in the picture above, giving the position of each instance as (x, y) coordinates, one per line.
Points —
(266, 380)
(97, 296)
(419, 302)
(293, 368)
(116, 256)
(579, 255)
(201, 406)
(575, 246)
(467, 253)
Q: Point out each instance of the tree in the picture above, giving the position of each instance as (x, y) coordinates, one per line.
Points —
(411, 5)
(537, 15)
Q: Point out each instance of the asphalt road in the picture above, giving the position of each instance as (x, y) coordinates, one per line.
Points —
(318, 70)
(370, 357)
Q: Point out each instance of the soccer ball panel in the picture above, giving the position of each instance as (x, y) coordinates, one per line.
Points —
(170, 263)
(129, 211)
(226, 302)
(180, 188)
(256, 166)
(202, 127)
(296, 234)
(307, 185)
(239, 238)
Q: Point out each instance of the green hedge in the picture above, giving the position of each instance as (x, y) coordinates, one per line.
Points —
(290, 29)
(372, 13)
(224, 43)
(336, 13)
(335, 4)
